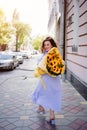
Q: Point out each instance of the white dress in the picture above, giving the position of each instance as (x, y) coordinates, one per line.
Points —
(51, 96)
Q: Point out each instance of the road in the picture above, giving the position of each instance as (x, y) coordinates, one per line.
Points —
(24, 70)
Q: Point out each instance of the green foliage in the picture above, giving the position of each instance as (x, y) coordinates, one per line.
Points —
(22, 32)
(6, 32)
(17, 29)
(2, 15)
(6, 29)
(36, 42)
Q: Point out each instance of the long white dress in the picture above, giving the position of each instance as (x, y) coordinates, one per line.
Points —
(51, 96)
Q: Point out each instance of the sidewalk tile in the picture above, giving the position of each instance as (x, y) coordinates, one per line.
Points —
(17, 112)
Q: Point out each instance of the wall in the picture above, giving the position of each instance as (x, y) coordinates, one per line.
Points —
(76, 41)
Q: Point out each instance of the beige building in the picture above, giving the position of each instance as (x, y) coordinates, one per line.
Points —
(70, 30)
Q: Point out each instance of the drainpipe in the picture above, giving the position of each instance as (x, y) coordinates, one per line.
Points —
(64, 38)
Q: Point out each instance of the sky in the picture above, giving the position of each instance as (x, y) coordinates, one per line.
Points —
(33, 12)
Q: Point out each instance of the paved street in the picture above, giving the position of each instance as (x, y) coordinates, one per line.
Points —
(17, 112)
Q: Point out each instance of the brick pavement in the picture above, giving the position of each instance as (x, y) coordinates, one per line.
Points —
(17, 112)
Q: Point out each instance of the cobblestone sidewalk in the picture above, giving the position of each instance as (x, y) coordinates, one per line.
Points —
(17, 112)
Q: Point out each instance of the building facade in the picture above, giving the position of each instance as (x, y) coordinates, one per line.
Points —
(71, 30)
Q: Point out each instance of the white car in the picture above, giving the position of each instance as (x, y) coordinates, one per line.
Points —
(19, 57)
(8, 62)
(26, 54)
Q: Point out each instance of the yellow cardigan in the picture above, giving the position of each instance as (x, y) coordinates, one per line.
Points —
(51, 64)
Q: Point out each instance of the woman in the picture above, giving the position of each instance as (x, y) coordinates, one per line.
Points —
(49, 97)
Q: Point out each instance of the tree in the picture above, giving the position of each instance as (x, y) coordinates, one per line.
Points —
(22, 32)
(6, 30)
(15, 17)
(2, 15)
(36, 42)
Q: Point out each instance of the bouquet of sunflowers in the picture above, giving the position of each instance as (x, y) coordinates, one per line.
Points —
(51, 64)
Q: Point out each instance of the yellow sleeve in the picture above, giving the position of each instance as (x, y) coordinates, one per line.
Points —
(38, 72)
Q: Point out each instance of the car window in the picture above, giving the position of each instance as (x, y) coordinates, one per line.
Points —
(5, 57)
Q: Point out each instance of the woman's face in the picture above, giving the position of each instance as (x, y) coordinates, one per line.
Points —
(47, 45)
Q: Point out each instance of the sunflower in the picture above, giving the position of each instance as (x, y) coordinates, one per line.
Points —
(51, 64)
(55, 64)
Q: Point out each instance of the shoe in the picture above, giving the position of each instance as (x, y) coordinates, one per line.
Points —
(51, 121)
(40, 112)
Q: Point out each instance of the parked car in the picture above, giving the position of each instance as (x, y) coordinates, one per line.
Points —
(19, 57)
(26, 54)
(8, 61)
